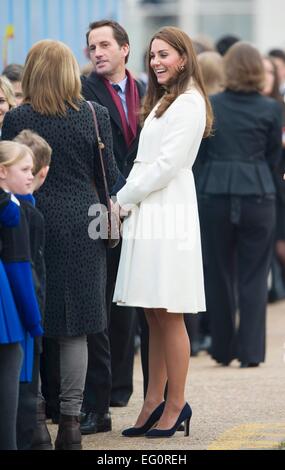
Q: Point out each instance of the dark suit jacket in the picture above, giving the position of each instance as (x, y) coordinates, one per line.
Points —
(245, 148)
(93, 89)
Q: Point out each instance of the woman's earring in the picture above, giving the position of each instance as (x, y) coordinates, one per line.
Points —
(181, 68)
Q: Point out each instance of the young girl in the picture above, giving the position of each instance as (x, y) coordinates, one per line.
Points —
(19, 312)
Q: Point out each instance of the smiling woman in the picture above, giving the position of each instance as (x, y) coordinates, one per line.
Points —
(165, 61)
(161, 270)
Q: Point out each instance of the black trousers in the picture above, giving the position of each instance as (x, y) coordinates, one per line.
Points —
(144, 333)
(11, 356)
(237, 241)
(98, 382)
(27, 407)
(50, 375)
(122, 344)
(111, 352)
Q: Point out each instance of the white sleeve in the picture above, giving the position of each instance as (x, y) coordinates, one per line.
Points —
(183, 123)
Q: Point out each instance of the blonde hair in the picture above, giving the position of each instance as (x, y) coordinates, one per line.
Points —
(212, 68)
(181, 42)
(51, 78)
(8, 91)
(39, 146)
(12, 152)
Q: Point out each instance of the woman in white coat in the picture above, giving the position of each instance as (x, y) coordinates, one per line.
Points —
(161, 263)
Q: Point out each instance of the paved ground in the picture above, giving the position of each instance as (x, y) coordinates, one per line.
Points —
(233, 408)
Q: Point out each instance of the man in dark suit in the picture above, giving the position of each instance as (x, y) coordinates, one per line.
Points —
(109, 378)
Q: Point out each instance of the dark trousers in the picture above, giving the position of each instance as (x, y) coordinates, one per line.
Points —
(111, 352)
(122, 328)
(98, 382)
(122, 343)
(11, 356)
(237, 240)
(50, 376)
(144, 347)
(27, 408)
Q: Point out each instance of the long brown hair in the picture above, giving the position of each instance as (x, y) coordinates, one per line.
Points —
(181, 42)
(244, 71)
(51, 78)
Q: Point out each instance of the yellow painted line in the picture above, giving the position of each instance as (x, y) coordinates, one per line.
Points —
(250, 436)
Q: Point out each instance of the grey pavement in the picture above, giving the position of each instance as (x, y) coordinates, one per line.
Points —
(233, 408)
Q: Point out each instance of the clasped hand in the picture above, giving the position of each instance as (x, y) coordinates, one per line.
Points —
(118, 210)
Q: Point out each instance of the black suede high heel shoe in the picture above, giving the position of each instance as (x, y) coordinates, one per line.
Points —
(244, 365)
(184, 416)
(150, 422)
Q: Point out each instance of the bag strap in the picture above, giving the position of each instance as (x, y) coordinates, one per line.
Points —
(101, 146)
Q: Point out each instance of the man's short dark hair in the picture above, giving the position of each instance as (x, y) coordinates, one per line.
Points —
(225, 42)
(14, 72)
(120, 34)
(277, 53)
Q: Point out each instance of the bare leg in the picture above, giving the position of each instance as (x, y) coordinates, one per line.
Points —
(157, 369)
(177, 352)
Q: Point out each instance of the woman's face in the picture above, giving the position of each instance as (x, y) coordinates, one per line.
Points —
(165, 61)
(4, 107)
(269, 77)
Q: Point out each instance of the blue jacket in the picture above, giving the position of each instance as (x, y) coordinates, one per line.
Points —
(17, 263)
(11, 329)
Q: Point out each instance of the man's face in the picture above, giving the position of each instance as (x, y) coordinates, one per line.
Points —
(107, 57)
(18, 92)
(280, 64)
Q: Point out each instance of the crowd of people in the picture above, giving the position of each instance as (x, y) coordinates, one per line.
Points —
(196, 246)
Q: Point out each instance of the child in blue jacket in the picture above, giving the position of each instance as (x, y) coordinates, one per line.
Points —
(32, 432)
(19, 312)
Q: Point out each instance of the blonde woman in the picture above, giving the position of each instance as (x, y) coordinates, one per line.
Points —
(76, 264)
(7, 98)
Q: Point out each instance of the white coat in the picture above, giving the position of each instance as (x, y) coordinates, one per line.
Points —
(161, 261)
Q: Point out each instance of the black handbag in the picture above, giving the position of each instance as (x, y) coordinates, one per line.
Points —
(113, 238)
